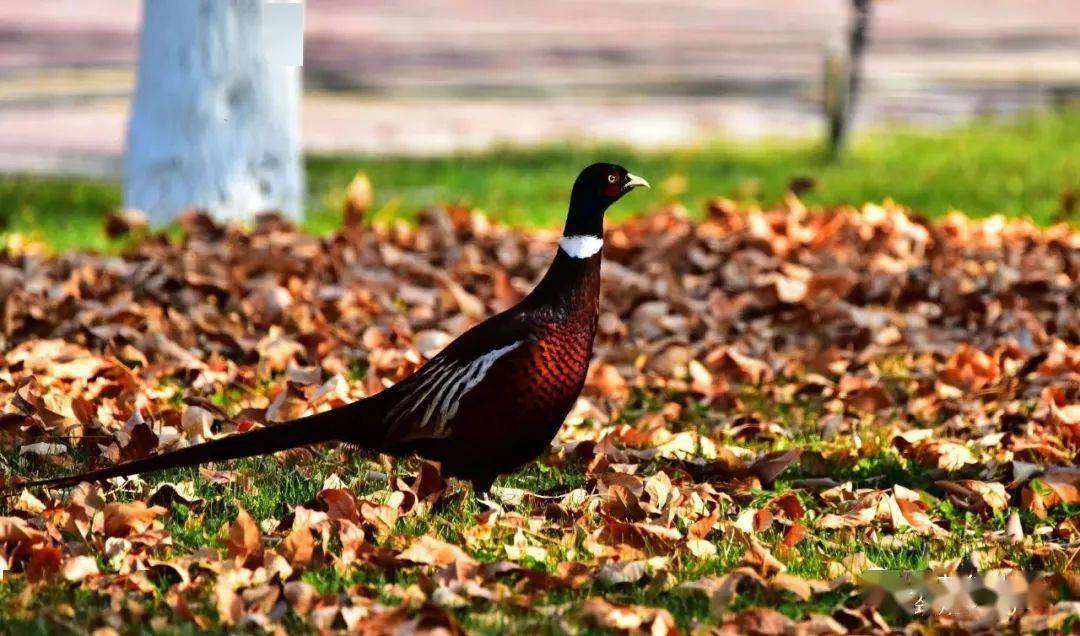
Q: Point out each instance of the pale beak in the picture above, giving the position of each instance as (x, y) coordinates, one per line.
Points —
(634, 181)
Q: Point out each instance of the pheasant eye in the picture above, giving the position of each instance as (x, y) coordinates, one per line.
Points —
(612, 178)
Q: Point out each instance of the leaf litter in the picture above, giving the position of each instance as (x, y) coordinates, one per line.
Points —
(779, 401)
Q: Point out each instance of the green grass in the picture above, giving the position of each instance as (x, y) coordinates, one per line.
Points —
(1015, 167)
(281, 484)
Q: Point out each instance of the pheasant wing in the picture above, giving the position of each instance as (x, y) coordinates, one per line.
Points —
(426, 402)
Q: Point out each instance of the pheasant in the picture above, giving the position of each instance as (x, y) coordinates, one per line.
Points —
(488, 403)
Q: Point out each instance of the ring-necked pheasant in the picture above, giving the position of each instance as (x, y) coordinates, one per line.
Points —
(489, 402)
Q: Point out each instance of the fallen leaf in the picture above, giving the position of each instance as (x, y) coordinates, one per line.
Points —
(78, 568)
(628, 618)
(245, 539)
(123, 519)
(429, 550)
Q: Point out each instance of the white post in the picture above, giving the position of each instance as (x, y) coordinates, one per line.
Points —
(215, 120)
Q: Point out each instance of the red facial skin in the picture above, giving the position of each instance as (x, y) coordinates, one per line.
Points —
(611, 190)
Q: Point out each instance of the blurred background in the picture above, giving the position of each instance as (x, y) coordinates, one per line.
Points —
(447, 102)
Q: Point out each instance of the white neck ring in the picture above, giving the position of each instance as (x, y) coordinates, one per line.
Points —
(581, 246)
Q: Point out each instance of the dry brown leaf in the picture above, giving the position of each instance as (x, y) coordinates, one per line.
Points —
(976, 494)
(628, 618)
(16, 532)
(124, 519)
(358, 199)
(432, 551)
(761, 621)
(78, 568)
(618, 572)
(298, 547)
(1057, 486)
(245, 538)
(45, 561)
(855, 324)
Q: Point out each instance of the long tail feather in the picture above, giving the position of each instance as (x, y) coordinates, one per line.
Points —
(321, 427)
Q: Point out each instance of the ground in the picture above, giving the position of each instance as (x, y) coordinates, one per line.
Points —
(780, 401)
(1007, 167)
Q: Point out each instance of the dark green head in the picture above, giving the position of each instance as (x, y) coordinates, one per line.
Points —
(595, 189)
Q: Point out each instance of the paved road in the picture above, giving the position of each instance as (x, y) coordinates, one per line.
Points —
(431, 75)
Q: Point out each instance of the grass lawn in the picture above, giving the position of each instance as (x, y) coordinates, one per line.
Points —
(842, 418)
(1013, 167)
(294, 482)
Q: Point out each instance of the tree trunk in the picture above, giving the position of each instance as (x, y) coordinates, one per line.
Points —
(843, 77)
(214, 123)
